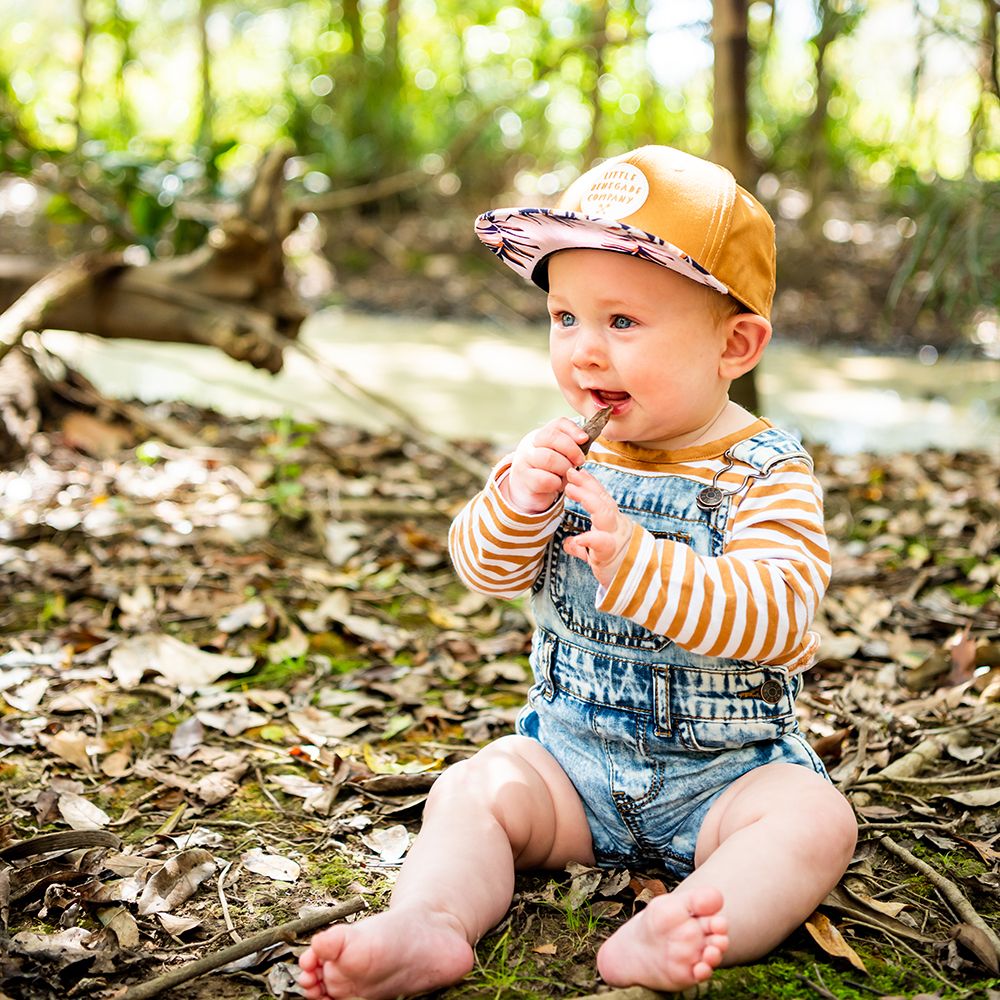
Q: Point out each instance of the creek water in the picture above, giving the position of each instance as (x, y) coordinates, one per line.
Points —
(478, 380)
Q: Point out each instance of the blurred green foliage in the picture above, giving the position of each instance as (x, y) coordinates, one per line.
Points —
(891, 101)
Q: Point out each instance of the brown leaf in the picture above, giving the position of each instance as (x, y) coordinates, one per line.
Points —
(72, 747)
(176, 881)
(978, 943)
(646, 889)
(977, 798)
(94, 436)
(122, 924)
(544, 949)
(831, 748)
(963, 657)
(826, 935)
(118, 763)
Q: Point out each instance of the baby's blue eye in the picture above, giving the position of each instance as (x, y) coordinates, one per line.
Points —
(565, 319)
(621, 322)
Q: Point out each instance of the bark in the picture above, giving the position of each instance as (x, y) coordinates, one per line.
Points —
(730, 118)
(207, 110)
(81, 71)
(33, 306)
(600, 28)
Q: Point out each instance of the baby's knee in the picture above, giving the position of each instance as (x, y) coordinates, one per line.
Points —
(477, 777)
(833, 825)
(844, 824)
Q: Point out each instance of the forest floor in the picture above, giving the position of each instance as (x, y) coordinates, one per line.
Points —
(234, 657)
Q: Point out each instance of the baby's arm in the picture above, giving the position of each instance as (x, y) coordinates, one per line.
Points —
(755, 601)
(498, 540)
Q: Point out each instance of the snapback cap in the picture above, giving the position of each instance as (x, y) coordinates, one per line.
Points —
(655, 203)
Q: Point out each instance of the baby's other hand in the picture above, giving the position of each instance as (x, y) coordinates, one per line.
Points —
(541, 461)
(605, 545)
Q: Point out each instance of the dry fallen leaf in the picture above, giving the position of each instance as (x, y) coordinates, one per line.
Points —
(176, 881)
(74, 748)
(826, 935)
(122, 924)
(389, 844)
(118, 763)
(175, 926)
(181, 665)
(979, 797)
(274, 866)
(978, 943)
(187, 737)
(81, 814)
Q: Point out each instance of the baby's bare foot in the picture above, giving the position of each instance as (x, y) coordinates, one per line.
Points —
(392, 954)
(675, 942)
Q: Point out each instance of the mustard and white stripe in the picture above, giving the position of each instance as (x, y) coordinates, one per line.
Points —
(753, 602)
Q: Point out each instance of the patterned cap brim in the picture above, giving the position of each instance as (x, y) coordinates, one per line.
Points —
(523, 238)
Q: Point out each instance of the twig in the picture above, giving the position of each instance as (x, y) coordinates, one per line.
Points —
(944, 779)
(902, 943)
(256, 942)
(815, 987)
(629, 993)
(224, 903)
(925, 753)
(951, 892)
(909, 825)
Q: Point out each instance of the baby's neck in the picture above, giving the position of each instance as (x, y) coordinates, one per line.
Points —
(729, 419)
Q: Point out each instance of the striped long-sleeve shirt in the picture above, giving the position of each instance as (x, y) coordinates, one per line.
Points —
(755, 601)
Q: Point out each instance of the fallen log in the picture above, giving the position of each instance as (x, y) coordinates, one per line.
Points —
(29, 310)
(221, 295)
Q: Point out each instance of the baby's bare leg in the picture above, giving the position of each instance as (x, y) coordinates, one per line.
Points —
(509, 805)
(770, 849)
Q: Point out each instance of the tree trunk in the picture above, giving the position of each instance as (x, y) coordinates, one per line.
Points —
(207, 109)
(730, 121)
(599, 28)
(81, 72)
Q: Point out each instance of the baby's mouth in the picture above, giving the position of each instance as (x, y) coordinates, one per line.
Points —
(605, 397)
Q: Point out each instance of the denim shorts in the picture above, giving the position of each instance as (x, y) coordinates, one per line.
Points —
(647, 788)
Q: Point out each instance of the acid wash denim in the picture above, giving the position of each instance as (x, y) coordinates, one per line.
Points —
(650, 733)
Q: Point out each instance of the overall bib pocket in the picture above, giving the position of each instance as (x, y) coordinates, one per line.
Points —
(573, 590)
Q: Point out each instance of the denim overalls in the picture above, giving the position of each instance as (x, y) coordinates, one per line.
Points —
(649, 733)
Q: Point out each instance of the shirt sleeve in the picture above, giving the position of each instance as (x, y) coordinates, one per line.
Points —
(496, 549)
(757, 599)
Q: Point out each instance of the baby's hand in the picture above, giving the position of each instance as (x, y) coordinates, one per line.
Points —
(541, 461)
(605, 545)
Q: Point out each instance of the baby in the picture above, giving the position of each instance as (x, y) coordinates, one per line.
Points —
(674, 569)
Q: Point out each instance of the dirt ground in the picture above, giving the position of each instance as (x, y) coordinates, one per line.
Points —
(234, 657)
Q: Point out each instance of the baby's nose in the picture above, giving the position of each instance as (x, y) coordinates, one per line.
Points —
(588, 350)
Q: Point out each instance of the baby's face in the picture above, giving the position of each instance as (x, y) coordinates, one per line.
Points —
(639, 337)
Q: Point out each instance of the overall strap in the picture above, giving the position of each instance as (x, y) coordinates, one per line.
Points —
(765, 450)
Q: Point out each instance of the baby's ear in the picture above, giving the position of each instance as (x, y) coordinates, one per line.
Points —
(747, 335)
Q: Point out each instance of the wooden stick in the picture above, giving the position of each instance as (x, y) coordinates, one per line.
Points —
(273, 935)
(907, 766)
(628, 993)
(951, 892)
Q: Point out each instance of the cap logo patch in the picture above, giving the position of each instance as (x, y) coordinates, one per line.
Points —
(618, 192)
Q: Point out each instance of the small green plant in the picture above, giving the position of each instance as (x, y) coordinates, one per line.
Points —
(284, 446)
(149, 453)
